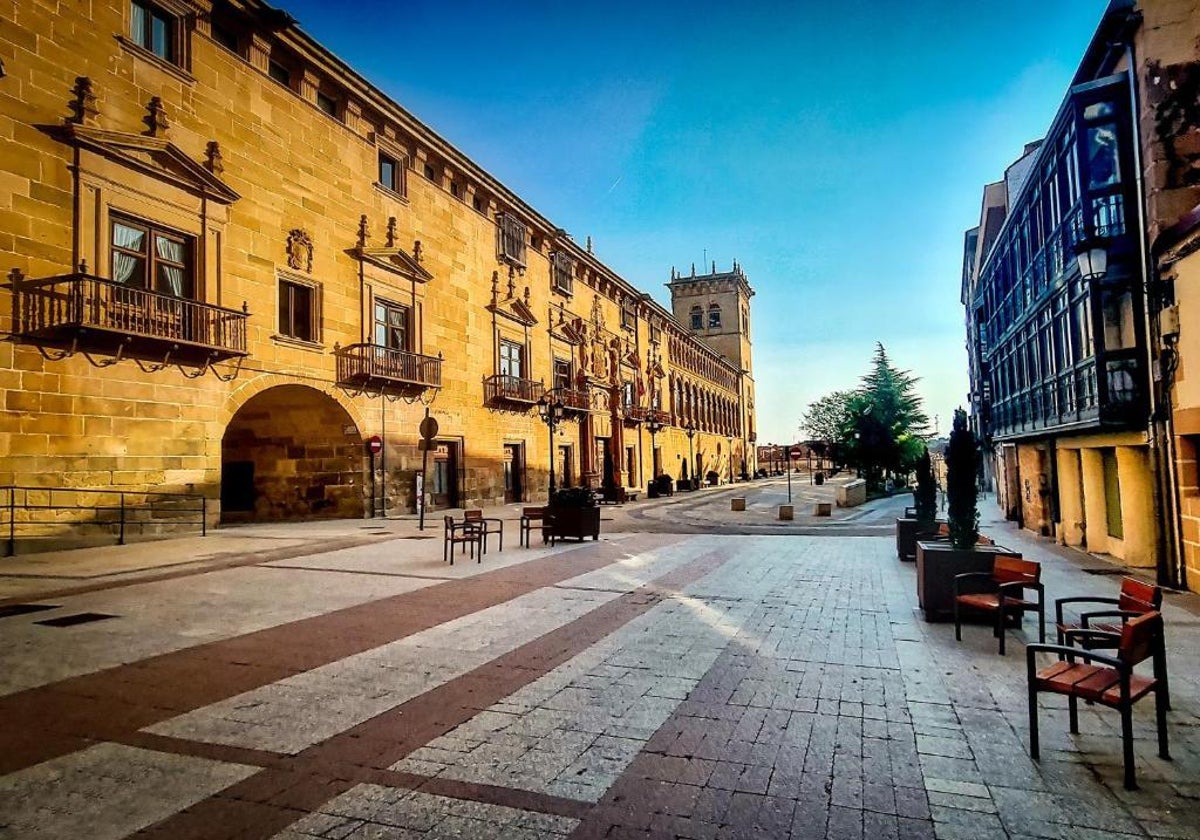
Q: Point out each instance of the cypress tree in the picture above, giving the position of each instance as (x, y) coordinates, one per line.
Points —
(925, 496)
(962, 467)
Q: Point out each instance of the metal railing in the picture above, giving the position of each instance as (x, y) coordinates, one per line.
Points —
(49, 307)
(373, 362)
(636, 413)
(574, 399)
(512, 389)
(55, 512)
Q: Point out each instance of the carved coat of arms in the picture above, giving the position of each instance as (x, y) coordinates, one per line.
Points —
(299, 250)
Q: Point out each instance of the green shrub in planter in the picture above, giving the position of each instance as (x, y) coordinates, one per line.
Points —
(962, 493)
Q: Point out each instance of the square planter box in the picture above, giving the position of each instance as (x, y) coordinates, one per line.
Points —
(823, 509)
(787, 512)
(572, 523)
(737, 504)
(937, 565)
(908, 531)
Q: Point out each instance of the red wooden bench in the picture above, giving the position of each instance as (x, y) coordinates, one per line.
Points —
(1107, 680)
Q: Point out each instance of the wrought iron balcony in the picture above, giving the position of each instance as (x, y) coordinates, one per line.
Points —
(659, 416)
(512, 389)
(89, 313)
(635, 413)
(375, 365)
(573, 399)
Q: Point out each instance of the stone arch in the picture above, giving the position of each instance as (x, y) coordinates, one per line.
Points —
(290, 451)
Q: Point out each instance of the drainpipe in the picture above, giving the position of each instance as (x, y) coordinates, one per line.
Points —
(1160, 446)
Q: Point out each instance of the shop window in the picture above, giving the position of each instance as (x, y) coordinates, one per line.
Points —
(147, 257)
(299, 310)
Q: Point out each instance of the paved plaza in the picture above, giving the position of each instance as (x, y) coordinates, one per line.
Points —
(741, 680)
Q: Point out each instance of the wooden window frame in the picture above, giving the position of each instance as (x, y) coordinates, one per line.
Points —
(562, 272)
(291, 281)
(511, 239)
(500, 358)
(389, 306)
(150, 258)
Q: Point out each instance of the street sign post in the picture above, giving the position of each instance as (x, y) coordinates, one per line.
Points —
(429, 430)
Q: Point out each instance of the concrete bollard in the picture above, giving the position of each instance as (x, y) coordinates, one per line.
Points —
(823, 509)
(737, 504)
(787, 512)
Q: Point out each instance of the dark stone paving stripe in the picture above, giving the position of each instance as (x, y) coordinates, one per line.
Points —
(272, 799)
(48, 721)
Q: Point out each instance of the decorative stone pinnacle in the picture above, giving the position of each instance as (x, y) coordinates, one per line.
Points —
(391, 232)
(418, 254)
(213, 161)
(157, 122)
(84, 110)
(363, 233)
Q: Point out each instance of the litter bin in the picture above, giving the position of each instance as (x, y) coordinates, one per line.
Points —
(819, 478)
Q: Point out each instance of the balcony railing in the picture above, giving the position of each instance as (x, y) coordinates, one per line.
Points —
(573, 399)
(372, 364)
(659, 416)
(636, 413)
(513, 389)
(94, 313)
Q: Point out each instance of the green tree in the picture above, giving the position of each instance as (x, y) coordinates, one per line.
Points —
(925, 496)
(827, 418)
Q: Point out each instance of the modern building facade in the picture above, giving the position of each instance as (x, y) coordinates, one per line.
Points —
(1062, 301)
(236, 268)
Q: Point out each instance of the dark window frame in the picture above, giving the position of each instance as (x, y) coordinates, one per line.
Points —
(170, 48)
(504, 360)
(398, 183)
(388, 326)
(151, 258)
(291, 291)
(511, 239)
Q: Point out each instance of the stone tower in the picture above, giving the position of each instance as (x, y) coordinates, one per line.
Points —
(715, 308)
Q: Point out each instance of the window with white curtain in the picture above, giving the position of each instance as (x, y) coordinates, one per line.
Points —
(147, 257)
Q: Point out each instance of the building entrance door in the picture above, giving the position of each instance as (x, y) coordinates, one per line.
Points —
(514, 472)
(443, 487)
(605, 459)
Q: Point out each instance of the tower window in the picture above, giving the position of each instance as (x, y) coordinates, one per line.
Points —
(714, 316)
(697, 318)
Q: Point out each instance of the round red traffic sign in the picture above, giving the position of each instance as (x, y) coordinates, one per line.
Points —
(375, 444)
(797, 452)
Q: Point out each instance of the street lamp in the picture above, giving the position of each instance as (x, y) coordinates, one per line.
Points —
(1092, 257)
(691, 433)
(653, 427)
(551, 411)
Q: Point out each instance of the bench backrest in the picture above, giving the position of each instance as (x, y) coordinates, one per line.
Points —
(533, 512)
(1137, 596)
(1016, 570)
(1141, 638)
(471, 515)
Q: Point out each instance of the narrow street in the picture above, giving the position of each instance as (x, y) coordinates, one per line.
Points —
(658, 683)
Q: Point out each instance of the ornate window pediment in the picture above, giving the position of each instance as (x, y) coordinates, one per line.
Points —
(513, 307)
(157, 157)
(396, 261)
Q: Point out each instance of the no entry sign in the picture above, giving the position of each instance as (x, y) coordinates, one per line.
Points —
(375, 444)
(797, 452)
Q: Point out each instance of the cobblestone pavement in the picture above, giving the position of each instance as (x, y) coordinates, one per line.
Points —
(648, 685)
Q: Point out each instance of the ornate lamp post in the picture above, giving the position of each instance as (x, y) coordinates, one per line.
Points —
(691, 433)
(653, 427)
(551, 410)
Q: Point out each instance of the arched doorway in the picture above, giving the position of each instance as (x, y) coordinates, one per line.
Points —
(291, 452)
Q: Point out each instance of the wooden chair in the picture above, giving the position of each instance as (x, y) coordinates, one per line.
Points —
(487, 526)
(1136, 598)
(1104, 679)
(461, 533)
(529, 516)
(1008, 580)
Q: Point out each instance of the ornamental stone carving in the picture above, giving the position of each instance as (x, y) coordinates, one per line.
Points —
(299, 250)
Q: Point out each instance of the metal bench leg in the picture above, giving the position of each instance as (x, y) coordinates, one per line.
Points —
(1161, 704)
(1127, 745)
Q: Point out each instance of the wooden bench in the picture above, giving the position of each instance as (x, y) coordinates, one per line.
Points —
(1107, 680)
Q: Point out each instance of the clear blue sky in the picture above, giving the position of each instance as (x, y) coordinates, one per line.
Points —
(837, 150)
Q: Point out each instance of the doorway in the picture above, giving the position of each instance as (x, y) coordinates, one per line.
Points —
(565, 478)
(443, 484)
(514, 473)
(604, 458)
